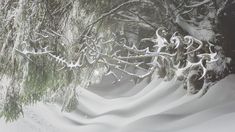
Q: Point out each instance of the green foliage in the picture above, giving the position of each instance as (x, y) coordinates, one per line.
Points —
(12, 108)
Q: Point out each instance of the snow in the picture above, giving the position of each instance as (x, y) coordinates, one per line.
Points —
(160, 106)
(202, 32)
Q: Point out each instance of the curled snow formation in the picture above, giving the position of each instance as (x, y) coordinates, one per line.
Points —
(160, 106)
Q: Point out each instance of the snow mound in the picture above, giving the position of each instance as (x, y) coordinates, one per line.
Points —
(158, 107)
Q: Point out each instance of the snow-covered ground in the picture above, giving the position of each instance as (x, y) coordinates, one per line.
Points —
(158, 107)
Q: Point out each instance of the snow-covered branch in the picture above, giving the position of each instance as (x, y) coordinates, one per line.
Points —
(197, 4)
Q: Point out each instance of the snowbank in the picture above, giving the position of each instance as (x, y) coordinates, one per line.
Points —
(158, 107)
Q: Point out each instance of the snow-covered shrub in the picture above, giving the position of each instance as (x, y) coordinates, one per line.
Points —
(185, 58)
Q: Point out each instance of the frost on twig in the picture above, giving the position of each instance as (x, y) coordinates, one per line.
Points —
(173, 58)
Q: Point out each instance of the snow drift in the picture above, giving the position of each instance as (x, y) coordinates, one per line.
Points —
(160, 106)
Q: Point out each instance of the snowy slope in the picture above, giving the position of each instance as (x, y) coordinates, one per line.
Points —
(158, 107)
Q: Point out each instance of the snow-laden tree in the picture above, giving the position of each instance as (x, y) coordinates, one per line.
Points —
(51, 48)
